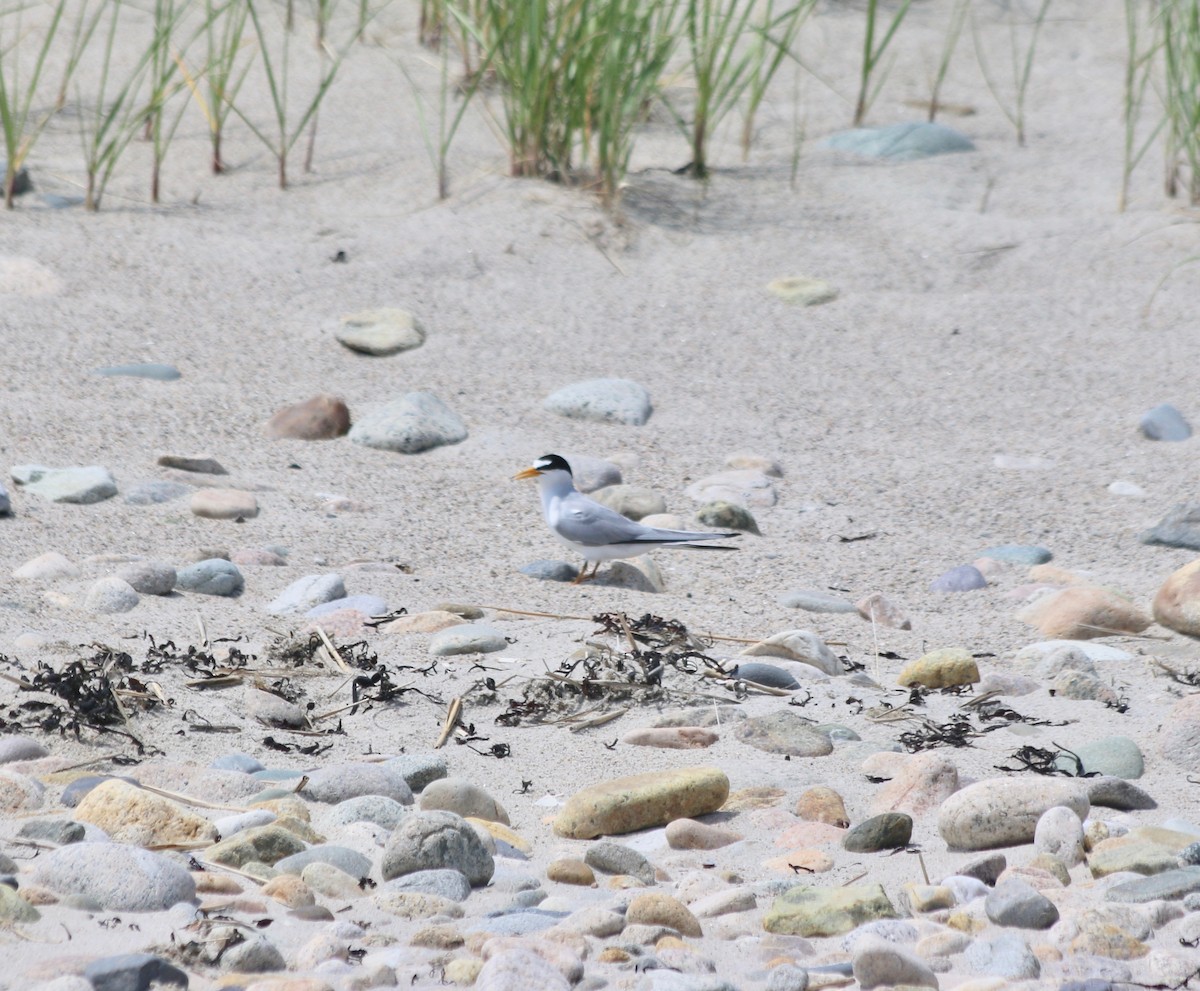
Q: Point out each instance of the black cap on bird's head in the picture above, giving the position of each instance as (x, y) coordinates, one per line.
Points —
(547, 462)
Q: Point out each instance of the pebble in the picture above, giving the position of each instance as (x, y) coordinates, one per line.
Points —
(787, 977)
(343, 858)
(133, 972)
(802, 290)
(155, 493)
(690, 834)
(519, 969)
(1164, 422)
(887, 831)
(983, 815)
(5, 501)
(877, 608)
(224, 504)
(418, 770)
(423, 622)
(634, 501)
(964, 578)
(739, 487)
(445, 883)
(944, 668)
(816, 601)
(1006, 955)
(1179, 737)
(1180, 527)
(783, 732)
(81, 485)
(142, 370)
(899, 142)
(1116, 756)
(1018, 905)
(550, 571)
(657, 909)
(212, 576)
(47, 567)
(130, 814)
(110, 595)
(148, 577)
(641, 801)
(568, 870)
(880, 963)
(818, 911)
(1082, 613)
(425, 840)
(200, 464)
(1021, 554)
(366, 605)
(619, 860)
(467, 638)
(797, 645)
(304, 593)
(380, 332)
(1112, 792)
(460, 796)
(1130, 490)
(920, 784)
(1059, 833)
(417, 421)
(822, 804)
(610, 400)
(672, 737)
(336, 783)
(322, 417)
(15, 748)
(727, 516)
(114, 876)
(1177, 602)
(1170, 885)
(770, 675)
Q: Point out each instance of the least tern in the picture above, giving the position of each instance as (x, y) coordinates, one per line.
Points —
(594, 530)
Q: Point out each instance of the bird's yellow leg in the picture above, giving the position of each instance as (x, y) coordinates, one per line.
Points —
(583, 575)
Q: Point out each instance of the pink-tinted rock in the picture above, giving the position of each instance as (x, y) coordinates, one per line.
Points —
(1083, 612)
(256, 557)
(823, 804)
(688, 834)
(672, 737)
(339, 623)
(1177, 604)
(922, 783)
(322, 417)
(877, 608)
(809, 834)
(224, 504)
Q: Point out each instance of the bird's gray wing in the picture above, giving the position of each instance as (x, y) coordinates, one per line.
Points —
(585, 521)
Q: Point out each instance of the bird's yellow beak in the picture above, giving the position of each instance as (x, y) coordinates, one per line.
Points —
(527, 473)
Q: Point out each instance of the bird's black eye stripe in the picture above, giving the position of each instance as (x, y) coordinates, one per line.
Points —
(552, 462)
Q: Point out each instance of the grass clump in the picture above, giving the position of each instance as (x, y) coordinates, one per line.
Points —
(876, 39)
(1179, 33)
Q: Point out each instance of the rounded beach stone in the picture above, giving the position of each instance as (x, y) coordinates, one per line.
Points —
(740, 488)
(1179, 738)
(900, 142)
(304, 593)
(942, 668)
(822, 804)
(79, 485)
(148, 577)
(624, 805)
(322, 417)
(380, 332)
(131, 814)
(783, 732)
(224, 504)
(724, 515)
(920, 783)
(1177, 604)
(114, 876)
(802, 290)
(569, 870)
(1164, 422)
(815, 601)
(603, 401)
(419, 769)
(212, 576)
(878, 608)
(445, 883)
(519, 969)
(994, 813)
(1083, 612)
(797, 645)
(338, 782)
(964, 578)
(656, 909)
(463, 798)
(14, 748)
(47, 567)
(133, 971)
(672, 737)
(634, 501)
(427, 840)
(110, 595)
(878, 962)
(417, 421)
(688, 834)
(887, 831)
(1059, 832)
(1017, 904)
(809, 911)
(467, 638)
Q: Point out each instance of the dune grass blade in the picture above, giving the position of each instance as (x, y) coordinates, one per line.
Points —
(774, 40)
(1139, 67)
(19, 125)
(954, 29)
(1022, 67)
(111, 119)
(1179, 28)
(225, 37)
(873, 53)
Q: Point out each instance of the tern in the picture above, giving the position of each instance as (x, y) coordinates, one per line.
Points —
(594, 530)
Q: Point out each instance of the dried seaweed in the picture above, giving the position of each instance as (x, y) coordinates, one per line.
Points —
(1042, 761)
(958, 731)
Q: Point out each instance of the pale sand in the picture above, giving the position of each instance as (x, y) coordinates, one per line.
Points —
(992, 303)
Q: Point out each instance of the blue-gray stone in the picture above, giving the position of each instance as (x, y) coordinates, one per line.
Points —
(426, 840)
(886, 831)
(74, 792)
(1027, 554)
(154, 493)
(22, 184)
(5, 502)
(337, 782)
(213, 576)
(1018, 904)
(341, 857)
(964, 578)
(370, 605)
(14, 748)
(81, 485)
(761, 673)
(1190, 854)
(814, 601)
(1167, 886)
(417, 421)
(1179, 528)
(1088, 984)
(1164, 422)
(133, 972)
(57, 831)
(446, 883)
(143, 370)
(602, 400)
(419, 769)
(306, 592)
(900, 142)
(1008, 955)
(787, 977)
(1111, 792)
(469, 638)
(550, 571)
(114, 876)
(1117, 756)
(522, 922)
(617, 858)
(237, 762)
(379, 809)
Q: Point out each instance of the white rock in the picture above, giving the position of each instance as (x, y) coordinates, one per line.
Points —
(797, 645)
(1059, 832)
(995, 813)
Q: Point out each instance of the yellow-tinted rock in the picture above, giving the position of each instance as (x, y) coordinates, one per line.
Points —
(464, 970)
(823, 804)
(940, 669)
(289, 890)
(641, 801)
(1083, 612)
(132, 814)
(423, 622)
(656, 909)
(570, 871)
(1177, 604)
(757, 797)
(503, 833)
